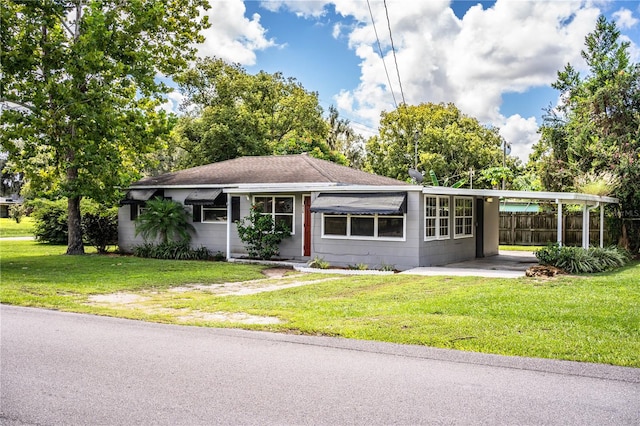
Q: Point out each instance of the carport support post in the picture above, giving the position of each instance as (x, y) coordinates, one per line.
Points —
(559, 229)
(602, 225)
(585, 226)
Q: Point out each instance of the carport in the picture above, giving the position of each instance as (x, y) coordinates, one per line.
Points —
(588, 203)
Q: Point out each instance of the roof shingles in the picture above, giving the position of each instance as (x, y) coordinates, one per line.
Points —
(284, 169)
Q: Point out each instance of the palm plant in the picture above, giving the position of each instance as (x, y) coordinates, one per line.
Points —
(166, 220)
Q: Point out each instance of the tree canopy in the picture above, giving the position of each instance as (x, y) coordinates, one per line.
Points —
(230, 113)
(432, 137)
(595, 130)
(80, 93)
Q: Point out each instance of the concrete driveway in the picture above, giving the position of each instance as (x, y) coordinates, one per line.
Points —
(507, 264)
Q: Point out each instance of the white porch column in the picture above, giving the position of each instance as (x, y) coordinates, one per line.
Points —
(559, 229)
(228, 226)
(602, 225)
(585, 226)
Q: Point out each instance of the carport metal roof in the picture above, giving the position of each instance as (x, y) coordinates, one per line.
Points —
(558, 197)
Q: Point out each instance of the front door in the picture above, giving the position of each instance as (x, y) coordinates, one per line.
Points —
(306, 220)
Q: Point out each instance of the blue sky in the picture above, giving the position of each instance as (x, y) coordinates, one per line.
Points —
(494, 59)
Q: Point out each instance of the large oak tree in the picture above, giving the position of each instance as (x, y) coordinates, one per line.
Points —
(433, 137)
(230, 113)
(80, 91)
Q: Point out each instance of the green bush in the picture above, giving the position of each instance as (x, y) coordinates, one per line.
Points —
(579, 260)
(260, 235)
(100, 228)
(319, 263)
(180, 250)
(50, 221)
(99, 224)
(16, 212)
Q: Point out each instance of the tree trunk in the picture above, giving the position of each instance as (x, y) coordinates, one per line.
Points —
(75, 245)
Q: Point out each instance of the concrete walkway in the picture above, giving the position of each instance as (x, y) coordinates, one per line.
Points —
(507, 264)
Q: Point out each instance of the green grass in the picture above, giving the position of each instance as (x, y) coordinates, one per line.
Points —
(9, 227)
(585, 318)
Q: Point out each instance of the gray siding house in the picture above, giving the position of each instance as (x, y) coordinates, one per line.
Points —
(339, 214)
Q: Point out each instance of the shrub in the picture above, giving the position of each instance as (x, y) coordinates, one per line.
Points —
(319, 263)
(172, 250)
(50, 221)
(579, 260)
(359, 267)
(260, 235)
(16, 211)
(100, 228)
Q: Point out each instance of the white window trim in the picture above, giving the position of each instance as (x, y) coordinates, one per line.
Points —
(219, 222)
(375, 228)
(273, 204)
(437, 217)
(455, 216)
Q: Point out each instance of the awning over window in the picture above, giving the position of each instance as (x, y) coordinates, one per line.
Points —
(363, 203)
(202, 196)
(137, 196)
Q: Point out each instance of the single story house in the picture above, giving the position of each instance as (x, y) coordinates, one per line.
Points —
(342, 215)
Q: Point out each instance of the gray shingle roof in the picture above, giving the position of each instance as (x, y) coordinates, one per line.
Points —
(285, 169)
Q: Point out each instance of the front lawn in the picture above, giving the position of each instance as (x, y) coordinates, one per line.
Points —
(587, 318)
(9, 227)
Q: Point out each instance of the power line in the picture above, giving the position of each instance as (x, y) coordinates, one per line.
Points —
(393, 49)
(382, 56)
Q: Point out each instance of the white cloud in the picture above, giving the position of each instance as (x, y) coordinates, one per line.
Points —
(512, 46)
(172, 102)
(522, 134)
(302, 8)
(473, 61)
(624, 18)
(232, 36)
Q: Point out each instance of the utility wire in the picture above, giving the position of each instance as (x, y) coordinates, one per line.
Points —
(382, 56)
(393, 49)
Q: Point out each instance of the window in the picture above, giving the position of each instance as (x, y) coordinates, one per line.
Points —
(436, 218)
(463, 217)
(206, 210)
(362, 226)
(212, 213)
(280, 209)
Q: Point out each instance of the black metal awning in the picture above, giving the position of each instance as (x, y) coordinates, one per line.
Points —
(361, 203)
(202, 196)
(138, 196)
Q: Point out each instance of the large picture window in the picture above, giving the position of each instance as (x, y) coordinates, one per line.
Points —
(463, 217)
(363, 226)
(436, 218)
(281, 209)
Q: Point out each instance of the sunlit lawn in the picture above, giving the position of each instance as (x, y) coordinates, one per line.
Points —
(587, 318)
(9, 227)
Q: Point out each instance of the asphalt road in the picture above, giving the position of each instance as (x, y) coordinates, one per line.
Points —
(60, 368)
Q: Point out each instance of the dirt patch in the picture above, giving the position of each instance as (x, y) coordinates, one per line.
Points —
(144, 301)
(276, 272)
(543, 271)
